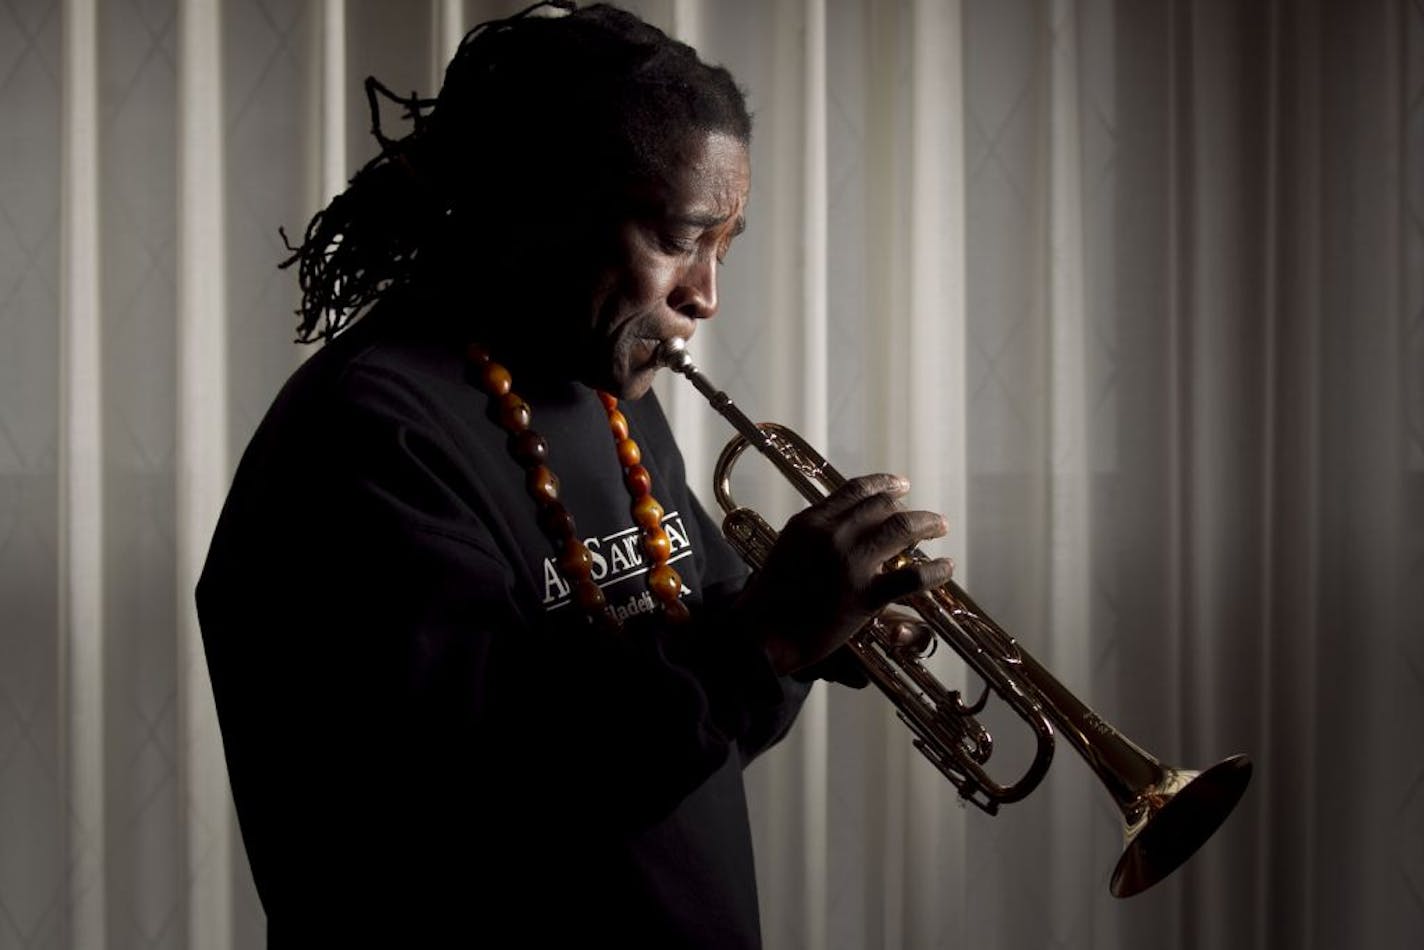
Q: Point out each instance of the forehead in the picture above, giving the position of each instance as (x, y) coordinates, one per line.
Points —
(710, 174)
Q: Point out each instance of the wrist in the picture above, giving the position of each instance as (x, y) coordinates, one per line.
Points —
(784, 659)
(751, 615)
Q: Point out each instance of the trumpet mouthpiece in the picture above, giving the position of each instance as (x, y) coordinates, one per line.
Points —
(673, 354)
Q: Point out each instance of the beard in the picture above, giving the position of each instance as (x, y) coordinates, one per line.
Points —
(628, 359)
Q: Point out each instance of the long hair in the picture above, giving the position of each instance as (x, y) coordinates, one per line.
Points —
(540, 120)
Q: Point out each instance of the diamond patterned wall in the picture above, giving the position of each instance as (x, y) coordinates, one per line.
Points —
(32, 819)
(271, 52)
(138, 230)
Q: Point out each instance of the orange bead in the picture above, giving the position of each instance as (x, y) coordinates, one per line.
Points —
(513, 413)
(529, 447)
(618, 424)
(542, 484)
(496, 379)
(556, 522)
(657, 545)
(588, 596)
(638, 480)
(575, 562)
(665, 583)
(647, 513)
(629, 453)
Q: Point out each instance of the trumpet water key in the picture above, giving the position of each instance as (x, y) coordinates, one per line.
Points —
(1167, 813)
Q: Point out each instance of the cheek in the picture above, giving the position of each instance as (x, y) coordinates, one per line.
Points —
(648, 280)
(635, 300)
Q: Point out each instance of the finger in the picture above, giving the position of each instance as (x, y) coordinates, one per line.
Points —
(857, 490)
(841, 666)
(882, 513)
(910, 579)
(898, 530)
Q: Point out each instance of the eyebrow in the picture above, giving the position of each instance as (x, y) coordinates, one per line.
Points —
(708, 221)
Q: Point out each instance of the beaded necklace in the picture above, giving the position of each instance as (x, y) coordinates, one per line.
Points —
(574, 561)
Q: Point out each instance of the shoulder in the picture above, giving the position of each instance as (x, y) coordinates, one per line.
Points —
(386, 370)
(376, 410)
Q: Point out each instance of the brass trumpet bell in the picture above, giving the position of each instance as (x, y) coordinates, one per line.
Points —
(1176, 820)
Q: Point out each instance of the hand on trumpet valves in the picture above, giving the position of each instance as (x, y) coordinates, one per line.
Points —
(826, 576)
(908, 636)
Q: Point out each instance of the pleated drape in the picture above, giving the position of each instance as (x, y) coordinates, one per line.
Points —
(1133, 292)
(79, 630)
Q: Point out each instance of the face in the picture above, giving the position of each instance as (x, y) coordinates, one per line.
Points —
(662, 274)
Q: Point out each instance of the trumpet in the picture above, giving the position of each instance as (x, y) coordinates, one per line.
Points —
(1167, 813)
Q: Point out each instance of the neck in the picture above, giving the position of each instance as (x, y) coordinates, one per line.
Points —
(535, 343)
(537, 353)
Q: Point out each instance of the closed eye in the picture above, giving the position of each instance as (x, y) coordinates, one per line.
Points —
(688, 232)
(678, 243)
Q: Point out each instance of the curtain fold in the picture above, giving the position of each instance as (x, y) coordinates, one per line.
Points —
(1132, 291)
(202, 465)
(79, 628)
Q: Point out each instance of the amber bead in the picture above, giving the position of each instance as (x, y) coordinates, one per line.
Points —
(542, 484)
(496, 379)
(529, 448)
(657, 545)
(618, 424)
(588, 595)
(665, 583)
(628, 453)
(647, 513)
(638, 480)
(556, 522)
(513, 413)
(575, 562)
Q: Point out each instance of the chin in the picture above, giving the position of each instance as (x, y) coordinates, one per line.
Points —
(620, 383)
(629, 373)
(636, 385)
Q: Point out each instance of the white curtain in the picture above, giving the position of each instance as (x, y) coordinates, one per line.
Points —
(1132, 291)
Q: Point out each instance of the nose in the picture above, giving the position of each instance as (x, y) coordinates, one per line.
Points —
(695, 294)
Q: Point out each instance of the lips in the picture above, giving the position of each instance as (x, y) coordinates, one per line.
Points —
(647, 349)
(644, 351)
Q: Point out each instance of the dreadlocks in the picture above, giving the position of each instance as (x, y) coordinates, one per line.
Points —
(539, 119)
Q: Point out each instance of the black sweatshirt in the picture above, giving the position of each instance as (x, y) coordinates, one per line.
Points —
(428, 744)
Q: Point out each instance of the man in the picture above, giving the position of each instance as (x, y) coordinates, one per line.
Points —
(482, 663)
